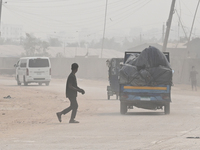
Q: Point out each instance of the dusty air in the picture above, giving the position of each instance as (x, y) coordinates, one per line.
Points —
(99, 75)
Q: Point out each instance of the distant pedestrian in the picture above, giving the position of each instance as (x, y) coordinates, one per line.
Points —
(71, 94)
(193, 78)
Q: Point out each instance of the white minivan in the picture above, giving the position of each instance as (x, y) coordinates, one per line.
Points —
(33, 70)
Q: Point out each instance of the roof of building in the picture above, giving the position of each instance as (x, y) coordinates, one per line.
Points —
(145, 45)
(157, 45)
(70, 52)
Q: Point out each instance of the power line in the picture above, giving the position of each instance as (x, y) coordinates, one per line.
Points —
(181, 24)
(128, 16)
(120, 12)
(193, 20)
(79, 22)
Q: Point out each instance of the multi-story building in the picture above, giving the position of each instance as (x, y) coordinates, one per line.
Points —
(11, 31)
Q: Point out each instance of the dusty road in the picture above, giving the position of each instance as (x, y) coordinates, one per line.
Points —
(28, 120)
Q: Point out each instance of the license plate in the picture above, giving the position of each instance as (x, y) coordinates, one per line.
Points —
(145, 98)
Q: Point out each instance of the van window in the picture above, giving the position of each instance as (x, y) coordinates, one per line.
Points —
(23, 63)
(38, 62)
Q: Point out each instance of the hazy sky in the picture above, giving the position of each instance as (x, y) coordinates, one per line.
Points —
(43, 17)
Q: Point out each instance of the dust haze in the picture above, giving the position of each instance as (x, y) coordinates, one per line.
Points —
(72, 32)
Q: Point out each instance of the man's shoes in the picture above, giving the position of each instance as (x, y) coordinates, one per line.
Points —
(73, 121)
(59, 116)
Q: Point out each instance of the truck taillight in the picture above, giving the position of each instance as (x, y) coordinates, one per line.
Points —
(27, 71)
(166, 96)
(124, 97)
(50, 71)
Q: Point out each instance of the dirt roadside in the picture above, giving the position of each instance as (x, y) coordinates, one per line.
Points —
(30, 113)
(27, 110)
(31, 108)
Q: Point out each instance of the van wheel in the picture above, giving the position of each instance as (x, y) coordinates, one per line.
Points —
(18, 82)
(25, 83)
(47, 83)
(123, 108)
(40, 83)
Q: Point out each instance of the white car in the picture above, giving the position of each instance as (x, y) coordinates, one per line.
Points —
(33, 70)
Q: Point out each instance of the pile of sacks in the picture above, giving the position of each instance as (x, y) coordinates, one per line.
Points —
(149, 68)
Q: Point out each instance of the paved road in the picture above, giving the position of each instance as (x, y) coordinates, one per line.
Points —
(35, 126)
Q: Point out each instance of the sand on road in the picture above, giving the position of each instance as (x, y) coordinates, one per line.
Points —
(28, 120)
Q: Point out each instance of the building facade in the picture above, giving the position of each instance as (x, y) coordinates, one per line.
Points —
(11, 31)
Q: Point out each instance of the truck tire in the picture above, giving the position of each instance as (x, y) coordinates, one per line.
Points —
(123, 108)
(47, 83)
(117, 96)
(167, 108)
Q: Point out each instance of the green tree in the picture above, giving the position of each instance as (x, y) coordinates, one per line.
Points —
(54, 42)
(108, 44)
(35, 47)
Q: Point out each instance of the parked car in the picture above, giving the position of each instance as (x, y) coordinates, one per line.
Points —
(33, 70)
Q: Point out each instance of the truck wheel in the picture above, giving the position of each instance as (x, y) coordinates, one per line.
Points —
(18, 82)
(39, 83)
(167, 108)
(117, 96)
(123, 108)
(25, 83)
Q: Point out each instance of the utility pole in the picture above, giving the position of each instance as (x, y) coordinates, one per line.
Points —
(193, 21)
(104, 28)
(0, 14)
(169, 21)
(163, 32)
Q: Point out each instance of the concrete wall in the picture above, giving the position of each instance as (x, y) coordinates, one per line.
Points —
(89, 68)
(95, 68)
(182, 68)
(7, 65)
(8, 62)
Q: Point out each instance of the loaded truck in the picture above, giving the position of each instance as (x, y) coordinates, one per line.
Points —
(149, 85)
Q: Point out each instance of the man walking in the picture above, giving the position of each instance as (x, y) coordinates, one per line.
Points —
(71, 94)
(193, 78)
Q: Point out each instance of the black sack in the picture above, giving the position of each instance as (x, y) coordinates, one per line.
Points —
(160, 75)
(131, 59)
(146, 76)
(127, 73)
(151, 57)
(130, 75)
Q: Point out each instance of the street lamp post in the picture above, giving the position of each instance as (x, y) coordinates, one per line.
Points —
(104, 28)
(1, 1)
